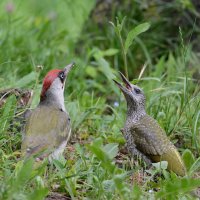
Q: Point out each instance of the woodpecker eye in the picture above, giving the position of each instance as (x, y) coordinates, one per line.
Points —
(62, 76)
(137, 91)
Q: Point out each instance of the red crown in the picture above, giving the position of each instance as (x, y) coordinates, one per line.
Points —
(48, 80)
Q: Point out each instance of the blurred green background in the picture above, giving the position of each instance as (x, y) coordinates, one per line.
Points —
(53, 33)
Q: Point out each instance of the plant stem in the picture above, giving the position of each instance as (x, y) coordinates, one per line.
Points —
(124, 55)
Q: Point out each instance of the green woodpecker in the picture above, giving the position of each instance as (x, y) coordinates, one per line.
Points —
(47, 129)
(144, 137)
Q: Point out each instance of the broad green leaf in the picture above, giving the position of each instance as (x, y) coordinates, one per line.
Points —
(160, 165)
(179, 185)
(26, 79)
(106, 162)
(136, 192)
(134, 33)
(196, 166)
(91, 71)
(120, 183)
(108, 185)
(103, 65)
(188, 158)
(109, 52)
(7, 112)
(105, 68)
(38, 194)
(187, 4)
(22, 176)
(111, 150)
(25, 172)
(98, 142)
(58, 164)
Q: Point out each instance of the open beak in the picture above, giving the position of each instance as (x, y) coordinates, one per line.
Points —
(127, 86)
(126, 82)
(68, 68)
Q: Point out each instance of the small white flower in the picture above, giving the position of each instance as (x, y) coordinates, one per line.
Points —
(116, 104)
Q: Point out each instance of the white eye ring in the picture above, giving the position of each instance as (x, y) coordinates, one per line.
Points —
(62, 76)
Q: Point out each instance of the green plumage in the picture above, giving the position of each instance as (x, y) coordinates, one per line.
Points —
(144, 137)
(151, 140)
(46, 128)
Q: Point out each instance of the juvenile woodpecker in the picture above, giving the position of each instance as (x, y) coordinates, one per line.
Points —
(144, 137)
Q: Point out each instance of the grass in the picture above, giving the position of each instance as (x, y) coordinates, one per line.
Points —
(96, 164)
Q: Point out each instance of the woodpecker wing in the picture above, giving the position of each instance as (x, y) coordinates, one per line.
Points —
(46, 128)
(149, 137)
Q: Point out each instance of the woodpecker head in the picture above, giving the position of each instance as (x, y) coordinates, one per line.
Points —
(134, 95)
(54, 82)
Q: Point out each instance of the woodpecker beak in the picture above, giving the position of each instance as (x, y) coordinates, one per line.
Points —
(126, 82)
(127, 87)
(68, 68)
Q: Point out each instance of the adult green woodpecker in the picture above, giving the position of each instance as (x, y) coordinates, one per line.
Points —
(47, 129)
(144, 137)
